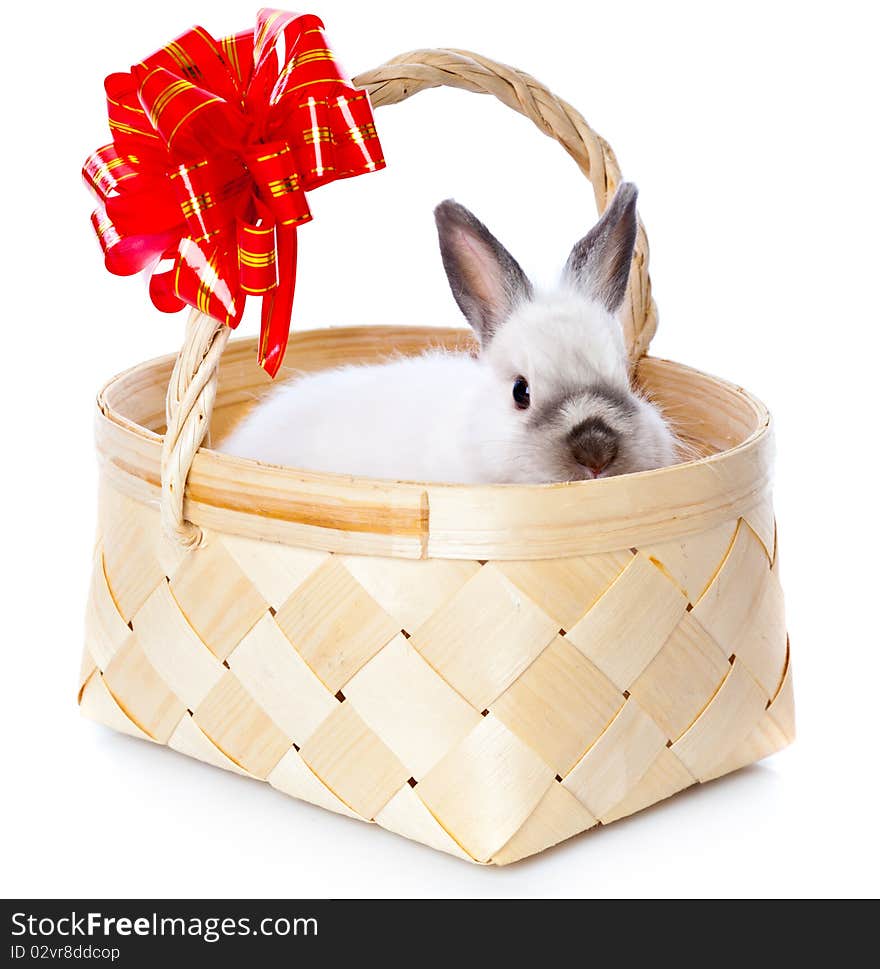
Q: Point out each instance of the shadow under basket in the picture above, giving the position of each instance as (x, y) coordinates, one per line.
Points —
(488, 670)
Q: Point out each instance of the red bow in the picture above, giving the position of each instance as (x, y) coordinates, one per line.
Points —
(214, 145)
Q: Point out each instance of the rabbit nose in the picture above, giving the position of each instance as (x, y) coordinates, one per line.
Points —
(593, 444)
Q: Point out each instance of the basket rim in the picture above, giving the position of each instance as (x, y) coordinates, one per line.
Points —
(339, 512)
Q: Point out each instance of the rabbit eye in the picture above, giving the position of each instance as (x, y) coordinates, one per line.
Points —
(521, 393)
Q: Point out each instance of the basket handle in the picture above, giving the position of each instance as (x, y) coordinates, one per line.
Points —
(410, 73)
(193, 385)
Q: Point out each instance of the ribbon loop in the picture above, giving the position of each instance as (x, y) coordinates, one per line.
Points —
(189, 119)
(215, 144)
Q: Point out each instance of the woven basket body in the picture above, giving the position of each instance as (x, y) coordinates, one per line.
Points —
(487, 670)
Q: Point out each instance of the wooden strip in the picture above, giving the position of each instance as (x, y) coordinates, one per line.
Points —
(189, 740)
(484, 637)
(775, 730)
(268, 529)
(106, 630)
(682, 678)
(389, 511)
(693, 561)
(131, 560)
(86, 669)
(274, 570)
(281, 682)
(726, 605)
(334, 624)
(97, 703)
(217, 599)
(233, 721)
(624, 631)
(141, 693)
(121, 518)
(665, 777)
(618, 760)
(559, 705)
(567, 588)
(409, 707)
(405, 814)
(485, 788)
(353, 762)
(292, 776)
(558, 816)
(765, 739)
(763, 523)
(744, 612)
(554, 521)
(762, 643)
(182, 660)
(410, 591)
(725, 723)
(782, 709)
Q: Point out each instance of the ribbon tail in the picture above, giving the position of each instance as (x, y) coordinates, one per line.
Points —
(278, 304)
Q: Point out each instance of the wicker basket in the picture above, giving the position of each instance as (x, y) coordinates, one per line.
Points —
(488, 670)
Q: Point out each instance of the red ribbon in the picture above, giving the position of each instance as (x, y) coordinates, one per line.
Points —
(215, 143)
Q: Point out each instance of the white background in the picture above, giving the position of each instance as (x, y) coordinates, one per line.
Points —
(751, 130)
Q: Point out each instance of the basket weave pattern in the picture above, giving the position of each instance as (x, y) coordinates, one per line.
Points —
(486, 709)
(488, 671)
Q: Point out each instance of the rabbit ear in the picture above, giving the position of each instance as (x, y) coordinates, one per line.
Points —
(485, 279)
(600, 262)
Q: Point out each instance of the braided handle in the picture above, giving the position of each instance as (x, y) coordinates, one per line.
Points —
(189, 402)
(408, 74)
(193, 385)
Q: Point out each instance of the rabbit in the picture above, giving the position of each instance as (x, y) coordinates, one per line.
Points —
(547, 399)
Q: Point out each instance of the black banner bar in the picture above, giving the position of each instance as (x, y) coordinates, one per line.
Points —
(137, 933)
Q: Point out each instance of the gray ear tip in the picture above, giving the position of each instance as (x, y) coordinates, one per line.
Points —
(449, 211)
(626, 195)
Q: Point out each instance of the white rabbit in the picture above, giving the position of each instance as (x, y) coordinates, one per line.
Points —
(547, 399)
